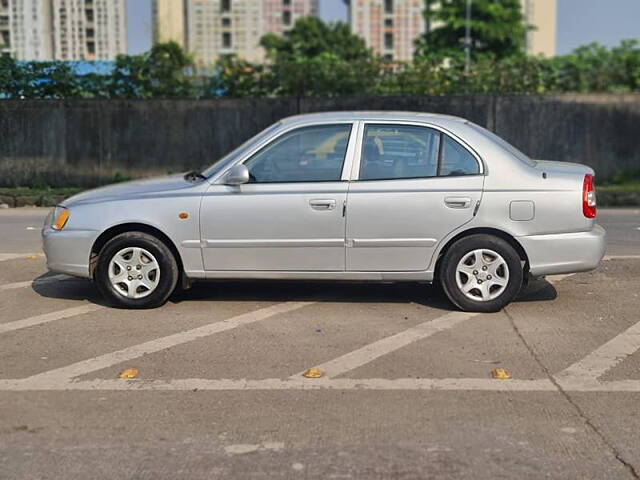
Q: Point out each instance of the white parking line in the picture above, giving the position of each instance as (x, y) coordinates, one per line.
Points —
(12, 256)
(64, 374)
(600, 361)
(48, 317)
(621, 257)
(191, 384)
(41, 281)
(368, 353)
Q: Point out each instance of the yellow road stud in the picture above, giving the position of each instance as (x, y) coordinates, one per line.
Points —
(500, 374)
(313, 373)
(128, 373)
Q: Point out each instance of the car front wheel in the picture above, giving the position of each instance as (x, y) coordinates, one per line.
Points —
(136, 270)
(481, 273)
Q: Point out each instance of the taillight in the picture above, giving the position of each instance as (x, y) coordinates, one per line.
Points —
(589, 197)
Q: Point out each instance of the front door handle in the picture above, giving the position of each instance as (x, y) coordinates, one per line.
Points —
(457, 202)
(323, 204)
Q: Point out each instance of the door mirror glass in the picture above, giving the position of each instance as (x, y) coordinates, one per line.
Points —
(236, 175)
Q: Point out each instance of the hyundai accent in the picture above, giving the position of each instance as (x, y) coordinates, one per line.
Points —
(359, 196)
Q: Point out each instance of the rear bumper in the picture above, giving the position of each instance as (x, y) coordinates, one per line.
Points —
(564, 252)
(68, 251)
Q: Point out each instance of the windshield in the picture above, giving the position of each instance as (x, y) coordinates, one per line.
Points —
(504, 144)
(238, 152)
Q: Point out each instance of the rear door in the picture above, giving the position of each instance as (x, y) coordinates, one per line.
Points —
(413, 185)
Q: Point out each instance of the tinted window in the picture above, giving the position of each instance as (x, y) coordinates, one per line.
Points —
(456, 160)
(314, 154)
(399, 151)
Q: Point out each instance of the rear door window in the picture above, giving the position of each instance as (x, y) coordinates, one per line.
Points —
(456, 160)
(399, 151)
(394, 152)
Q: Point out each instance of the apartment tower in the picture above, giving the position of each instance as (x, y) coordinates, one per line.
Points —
(541, 14)
(63, 29)
(211, 28)
(390, 27)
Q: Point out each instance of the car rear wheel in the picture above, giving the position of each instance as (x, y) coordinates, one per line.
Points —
(481, 273)
(136, 270)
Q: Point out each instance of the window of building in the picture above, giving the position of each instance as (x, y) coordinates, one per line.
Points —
(226, 22)
(226, 40)
(388, 6)
(286, 3)
(388, 22)
(286, 17)
(388, 41)
(312, 154)
(225, 5)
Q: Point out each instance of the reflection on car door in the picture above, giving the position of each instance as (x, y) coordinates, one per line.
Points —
(415, 186)
(289, 217)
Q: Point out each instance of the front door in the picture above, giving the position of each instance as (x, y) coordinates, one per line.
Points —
(289, 217)
(415, 185)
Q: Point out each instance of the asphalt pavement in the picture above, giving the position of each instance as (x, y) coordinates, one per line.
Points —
(407, 390)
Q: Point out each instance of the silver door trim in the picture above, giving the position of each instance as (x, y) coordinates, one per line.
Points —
(274, 243)
(391, 242)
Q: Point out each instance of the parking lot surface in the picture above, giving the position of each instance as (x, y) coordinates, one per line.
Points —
(406, 393)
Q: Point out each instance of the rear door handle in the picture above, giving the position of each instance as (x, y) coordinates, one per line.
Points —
(457, 202)
(323, 204)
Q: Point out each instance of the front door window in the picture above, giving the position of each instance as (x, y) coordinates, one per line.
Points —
(311, 154)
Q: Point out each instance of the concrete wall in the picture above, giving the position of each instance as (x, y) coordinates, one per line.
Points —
(89, 142)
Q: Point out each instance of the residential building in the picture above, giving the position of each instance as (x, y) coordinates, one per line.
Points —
(29, 29)
(63, 29)
(169, 21)
(89, 29)
(542, 15)
(390, 27)
(5, 28)
(211, 28)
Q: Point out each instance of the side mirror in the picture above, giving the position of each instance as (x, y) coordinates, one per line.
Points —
(236, 175)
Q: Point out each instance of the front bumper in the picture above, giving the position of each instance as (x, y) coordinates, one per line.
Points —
(68, 251)
(564, 252)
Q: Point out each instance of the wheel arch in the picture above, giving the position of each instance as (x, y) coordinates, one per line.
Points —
(116, 230)
(510, 239)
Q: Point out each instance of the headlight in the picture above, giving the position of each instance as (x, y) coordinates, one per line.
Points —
(60, 218)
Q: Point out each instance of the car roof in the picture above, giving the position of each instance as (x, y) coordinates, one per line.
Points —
(384, 116)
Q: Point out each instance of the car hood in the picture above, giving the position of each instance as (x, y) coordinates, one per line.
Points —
(134, 189)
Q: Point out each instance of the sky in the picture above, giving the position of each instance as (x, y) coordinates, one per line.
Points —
(579, 22)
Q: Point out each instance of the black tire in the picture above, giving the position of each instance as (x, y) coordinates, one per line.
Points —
(168, 273)
(464, 247)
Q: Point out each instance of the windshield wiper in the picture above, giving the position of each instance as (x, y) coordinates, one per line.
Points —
(194, 176)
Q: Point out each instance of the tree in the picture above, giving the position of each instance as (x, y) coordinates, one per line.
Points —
(161, 72)
(497, 29)
(317, 58)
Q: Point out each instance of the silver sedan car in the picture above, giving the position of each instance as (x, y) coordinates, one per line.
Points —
(363, 196)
